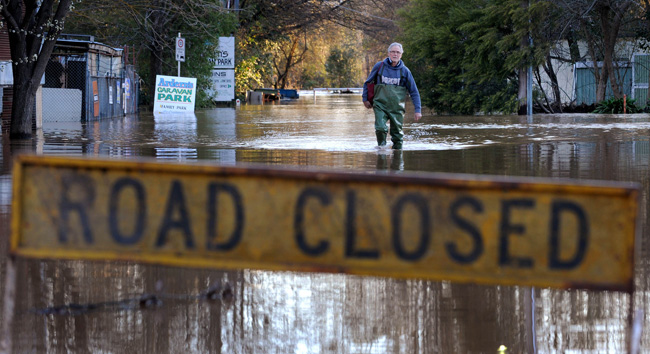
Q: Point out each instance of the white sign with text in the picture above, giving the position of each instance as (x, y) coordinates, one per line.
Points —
(224, 56)
(174, 94)
(223, 85)
(180, 49)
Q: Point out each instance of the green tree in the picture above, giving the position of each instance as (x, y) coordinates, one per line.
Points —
(465, 54)
(340, 66)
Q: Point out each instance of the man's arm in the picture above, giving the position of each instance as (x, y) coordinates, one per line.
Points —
(371, 78)
(415, 95)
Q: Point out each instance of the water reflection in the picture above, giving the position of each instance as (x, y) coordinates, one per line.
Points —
(393, 160)
(288, 312)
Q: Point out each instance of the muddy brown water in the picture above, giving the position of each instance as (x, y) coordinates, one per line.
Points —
(291, 312)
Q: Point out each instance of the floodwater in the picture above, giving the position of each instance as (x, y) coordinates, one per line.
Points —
(133, 308)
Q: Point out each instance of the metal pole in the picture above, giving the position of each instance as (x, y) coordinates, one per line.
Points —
(6, 343)
(179, 62)
(529, 81)
(529, 92)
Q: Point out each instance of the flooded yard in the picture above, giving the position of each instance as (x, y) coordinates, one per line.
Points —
(104, 307)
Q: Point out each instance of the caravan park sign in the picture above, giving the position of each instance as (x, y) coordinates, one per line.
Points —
(174, 94)
(225, 53)
(223, 71)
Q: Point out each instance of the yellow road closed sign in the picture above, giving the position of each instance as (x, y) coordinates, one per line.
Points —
(489, 230)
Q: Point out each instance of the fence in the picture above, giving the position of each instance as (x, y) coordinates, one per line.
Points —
(641, 78)
(86, 86)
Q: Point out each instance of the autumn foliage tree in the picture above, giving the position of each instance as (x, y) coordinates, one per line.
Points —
(277, 34)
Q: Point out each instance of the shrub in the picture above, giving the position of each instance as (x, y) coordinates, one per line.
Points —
(614, 105)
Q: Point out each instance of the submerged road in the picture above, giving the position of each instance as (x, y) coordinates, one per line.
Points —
(97, 306)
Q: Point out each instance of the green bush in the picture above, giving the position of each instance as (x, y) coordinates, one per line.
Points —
(614, 105)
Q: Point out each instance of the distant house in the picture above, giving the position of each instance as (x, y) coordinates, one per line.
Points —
(84, 80)
(577, 81)
(6, 81)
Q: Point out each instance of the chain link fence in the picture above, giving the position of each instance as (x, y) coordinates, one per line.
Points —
(86, 86)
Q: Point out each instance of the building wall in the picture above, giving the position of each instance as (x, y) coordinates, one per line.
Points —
(7, 100)
(7, 97)
(565, 70)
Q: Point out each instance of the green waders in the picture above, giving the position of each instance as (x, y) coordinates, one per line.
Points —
(389, 106)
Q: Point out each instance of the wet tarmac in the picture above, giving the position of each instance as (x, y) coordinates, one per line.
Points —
(102, 307)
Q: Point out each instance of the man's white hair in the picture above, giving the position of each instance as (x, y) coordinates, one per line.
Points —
(395, 44)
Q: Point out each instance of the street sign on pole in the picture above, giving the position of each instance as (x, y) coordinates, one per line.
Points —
(180, 52)
(180, 49)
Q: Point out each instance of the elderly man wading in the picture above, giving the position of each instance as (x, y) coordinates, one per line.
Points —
(392, 81)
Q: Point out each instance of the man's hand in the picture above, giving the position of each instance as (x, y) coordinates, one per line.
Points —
(367, 104)
(418, 116)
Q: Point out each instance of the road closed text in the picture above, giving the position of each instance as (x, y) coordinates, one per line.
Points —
(493, 232)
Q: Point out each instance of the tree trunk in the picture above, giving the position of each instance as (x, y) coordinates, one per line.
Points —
(600, 76)
(27, 78)
(288, 63)
(522, 95)
(155, 68)
(611, 30)
(33, 29)
(22, 109)
(557, 96)
(290, 57)
(609, 43)
(601, 89)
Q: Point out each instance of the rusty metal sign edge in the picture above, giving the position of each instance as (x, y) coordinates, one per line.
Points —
(170, 260)
(448, 180)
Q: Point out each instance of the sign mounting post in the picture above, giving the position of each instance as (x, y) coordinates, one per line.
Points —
(180, 52)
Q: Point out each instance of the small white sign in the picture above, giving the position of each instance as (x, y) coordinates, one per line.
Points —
(174, 94)
(117, 90)
(6, 74)
(223, 85)
(180, 49)
(127, 88)
(224, 57)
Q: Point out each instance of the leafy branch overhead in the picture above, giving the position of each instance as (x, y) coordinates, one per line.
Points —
(273, 36)
(468, 55)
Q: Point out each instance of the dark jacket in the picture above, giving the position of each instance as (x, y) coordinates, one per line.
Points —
(394, 75)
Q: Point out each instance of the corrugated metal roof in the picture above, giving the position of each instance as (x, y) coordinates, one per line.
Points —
(5, 52)
(86, 43)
